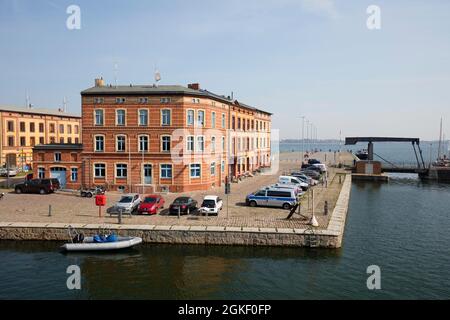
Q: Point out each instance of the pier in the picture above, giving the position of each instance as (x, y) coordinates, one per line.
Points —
(243, 226)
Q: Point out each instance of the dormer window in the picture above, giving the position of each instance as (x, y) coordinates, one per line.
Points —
(120, 100)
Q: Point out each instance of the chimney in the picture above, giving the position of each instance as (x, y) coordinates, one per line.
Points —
(99, 82)
(194, 86)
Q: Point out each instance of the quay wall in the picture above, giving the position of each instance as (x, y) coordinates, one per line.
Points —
(331, 237)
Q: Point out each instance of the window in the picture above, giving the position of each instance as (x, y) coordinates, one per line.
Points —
(165, 143)
(233, 123)
(98, 100)
(195, 170)
(195, 100)
(143, 117)
(165, 117)
(165, 100)
(99, 170)
(98, 117)
(11, 141)
(121, 170)
(32, 127)
(41, 173)
(213, 168)
(190, 118)
(23, 142)
(69, 129)
(76, 129)
(213, 120)
(52, 139)
(239, 124)
(99, 144)
(74, 174)
(57, 156)
(61, 128)
(166, 171)
(201, 118)
(120, 143)
(61, 140)
(143, 143)
(213, 144)
(41, 127)
(200, 143)
(22, 127)
(143, 100)
(77, 140)
(120, 100)
(120, 117)
(41, 140)
(223, 120)
(222, 166)
(190, 143)
(10, 126)
(223, 144)
(52, 128)
(69, 140)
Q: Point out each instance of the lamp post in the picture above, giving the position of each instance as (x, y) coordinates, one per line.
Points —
(302, 153)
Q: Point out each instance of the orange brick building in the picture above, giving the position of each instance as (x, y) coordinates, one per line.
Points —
(155, 138)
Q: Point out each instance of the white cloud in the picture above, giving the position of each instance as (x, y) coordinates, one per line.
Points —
(321, 7)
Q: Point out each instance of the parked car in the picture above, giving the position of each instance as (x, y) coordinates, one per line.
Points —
(41, 186)
(4, 172)
(151, 204)
(304, 178)
(311, 173)
(89, 193)
(184, 204)
(313, 161)
(128, 203)
(272, 197)
(322, 167)
(293, 180)
(211, 205)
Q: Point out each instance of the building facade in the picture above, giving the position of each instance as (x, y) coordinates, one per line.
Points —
(61, 161)
(174, 138)
(23, 128)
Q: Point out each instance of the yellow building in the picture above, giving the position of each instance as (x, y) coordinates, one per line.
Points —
(22, 128)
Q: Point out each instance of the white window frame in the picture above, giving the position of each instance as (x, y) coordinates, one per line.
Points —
(212, 168)
(124, 117)
(213, 119)
(222, 166)
(201, 111)
(116, 168)
(116, 142)
(187, 117)
(41, 170)
(193, 144)
(55, 156)
(223, 121)
(223, 144)
(102, 116)
(95, 142)
(143, 100)
(93, 167)
(197, 147)
(165, 100)
(213, 144)
(139, 117)
(72, 170)
(162, 142)
(200, 170)
(139, 142)
(161, 170)
(162, 117)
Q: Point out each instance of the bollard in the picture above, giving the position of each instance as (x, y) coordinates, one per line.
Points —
(325, 209)
(49, 210)
(340, 180)
(119, 216)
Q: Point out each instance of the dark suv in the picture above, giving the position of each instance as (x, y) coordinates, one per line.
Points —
(41, 186)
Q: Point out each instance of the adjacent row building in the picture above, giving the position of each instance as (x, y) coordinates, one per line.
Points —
(21, 128)
(159, 138)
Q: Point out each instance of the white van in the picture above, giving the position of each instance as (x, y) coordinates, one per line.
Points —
(321, 166)
(293, 180)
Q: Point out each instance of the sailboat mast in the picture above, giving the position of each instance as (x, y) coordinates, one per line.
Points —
(440, 141)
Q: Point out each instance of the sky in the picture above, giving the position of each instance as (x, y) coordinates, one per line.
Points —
(312, 58)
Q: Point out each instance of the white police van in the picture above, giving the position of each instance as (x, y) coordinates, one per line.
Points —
(285, 198)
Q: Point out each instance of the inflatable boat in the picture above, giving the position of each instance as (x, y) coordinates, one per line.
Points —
(96, 243)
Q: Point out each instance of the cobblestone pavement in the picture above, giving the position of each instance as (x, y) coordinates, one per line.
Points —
(68, 208)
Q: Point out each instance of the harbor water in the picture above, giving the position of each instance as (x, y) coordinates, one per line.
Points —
(401, 226)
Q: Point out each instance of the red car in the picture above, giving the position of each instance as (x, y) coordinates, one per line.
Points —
(151, 204)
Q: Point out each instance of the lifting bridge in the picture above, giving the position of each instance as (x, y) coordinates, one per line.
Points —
(420, 169)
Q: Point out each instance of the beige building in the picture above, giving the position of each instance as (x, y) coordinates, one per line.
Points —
(22, 128)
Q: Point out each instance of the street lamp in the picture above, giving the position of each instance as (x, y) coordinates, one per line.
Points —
(302, 153)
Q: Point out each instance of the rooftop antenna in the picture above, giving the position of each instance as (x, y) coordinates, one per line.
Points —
(28, 100)
(116, 67)
(157, 76)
